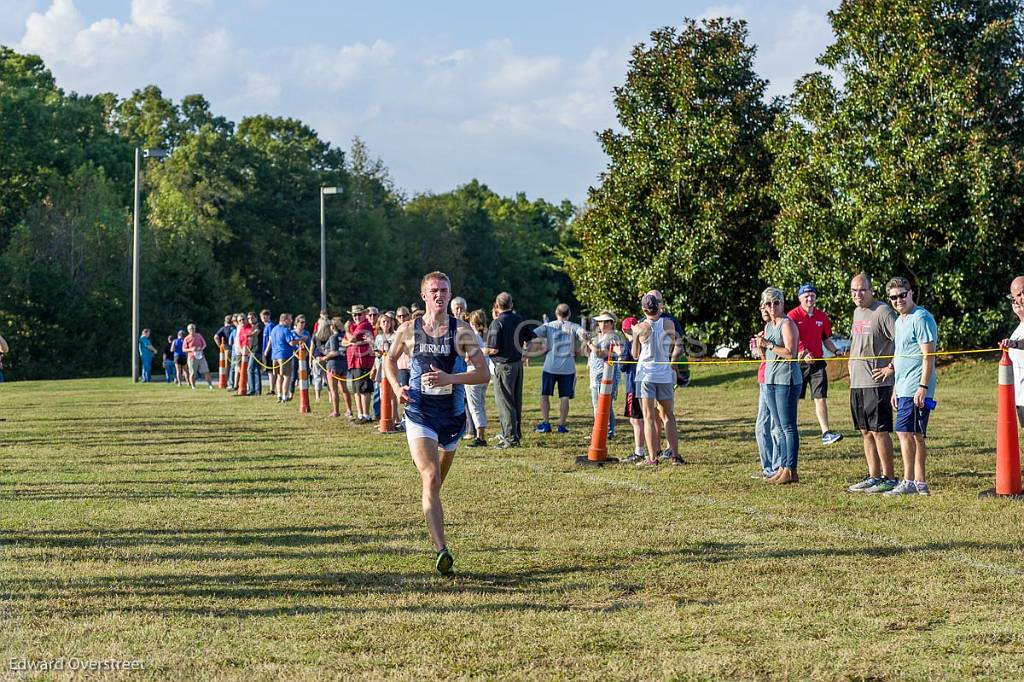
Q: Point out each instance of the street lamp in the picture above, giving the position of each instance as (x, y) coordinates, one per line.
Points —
(323, 245)
(139, 155)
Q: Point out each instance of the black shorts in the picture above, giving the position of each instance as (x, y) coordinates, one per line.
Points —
(872, 409)
(816, 376)
(359, 381)
(633, 410)
(566, 384)
(181, 361)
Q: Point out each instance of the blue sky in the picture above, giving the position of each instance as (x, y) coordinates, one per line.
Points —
(442, 91)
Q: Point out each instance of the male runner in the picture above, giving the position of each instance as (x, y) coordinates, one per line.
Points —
(435, 414)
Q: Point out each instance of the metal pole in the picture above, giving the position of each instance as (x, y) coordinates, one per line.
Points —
(135, 273)
(323, 254)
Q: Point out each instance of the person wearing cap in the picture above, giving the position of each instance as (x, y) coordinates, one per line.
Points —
(683, 373)
(602, 346)
(360, 358)
(778, 343)
(558, 339)
(815, 331)
(1015, 345)
(656, 346)
(506, 338)
(633, 412)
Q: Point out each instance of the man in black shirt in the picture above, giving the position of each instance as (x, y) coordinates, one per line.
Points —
(224, 333)
(505, 339)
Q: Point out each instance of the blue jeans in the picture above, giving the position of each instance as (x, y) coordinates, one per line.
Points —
(169, 371)
(255, 379)
(782, 401)
(147, 368)
(768, 436)
(376, 400)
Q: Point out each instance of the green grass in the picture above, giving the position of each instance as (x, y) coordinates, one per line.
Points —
(215, 537)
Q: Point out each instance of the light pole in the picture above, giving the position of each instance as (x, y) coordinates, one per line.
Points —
(323, 245)
(139, 155)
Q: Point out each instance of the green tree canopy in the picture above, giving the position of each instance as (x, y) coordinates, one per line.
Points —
(683, 205)
(913, 166)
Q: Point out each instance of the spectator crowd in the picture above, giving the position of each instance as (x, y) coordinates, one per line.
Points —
(891, 363)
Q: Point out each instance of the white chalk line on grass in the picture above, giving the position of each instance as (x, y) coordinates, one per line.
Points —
(830, 530)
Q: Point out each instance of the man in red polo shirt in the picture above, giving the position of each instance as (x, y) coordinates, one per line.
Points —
(815, 332)
(360, 358)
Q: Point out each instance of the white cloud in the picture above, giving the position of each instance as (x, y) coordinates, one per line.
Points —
(518, 73)
(47, 33)
(438, 112)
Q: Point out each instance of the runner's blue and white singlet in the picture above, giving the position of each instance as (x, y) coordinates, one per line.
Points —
(443, 408)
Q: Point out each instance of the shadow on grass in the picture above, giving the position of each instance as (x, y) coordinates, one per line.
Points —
(58, 494)
(230, 594)
(718, 553)
(706, 380)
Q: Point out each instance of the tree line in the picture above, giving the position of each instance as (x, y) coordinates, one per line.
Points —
(901, 156)
(230, 222)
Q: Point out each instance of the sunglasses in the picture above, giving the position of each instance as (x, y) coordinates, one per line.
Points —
(898, 297)
(770, 304)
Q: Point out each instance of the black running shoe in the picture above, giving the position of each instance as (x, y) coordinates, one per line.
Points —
(444, 562)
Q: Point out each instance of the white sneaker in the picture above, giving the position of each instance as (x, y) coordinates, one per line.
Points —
(904, 488)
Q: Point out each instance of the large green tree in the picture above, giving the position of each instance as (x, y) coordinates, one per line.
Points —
(683, 205)
(912, 166)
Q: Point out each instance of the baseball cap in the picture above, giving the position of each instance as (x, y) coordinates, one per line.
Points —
(650, 302)
(629, 323)
(806, 289)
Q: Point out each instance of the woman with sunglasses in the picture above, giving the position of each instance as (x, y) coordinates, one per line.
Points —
(782, 381)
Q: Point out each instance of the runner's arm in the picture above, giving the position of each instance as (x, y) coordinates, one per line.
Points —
(469, 349)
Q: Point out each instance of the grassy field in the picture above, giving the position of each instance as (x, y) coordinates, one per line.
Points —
(220, 537)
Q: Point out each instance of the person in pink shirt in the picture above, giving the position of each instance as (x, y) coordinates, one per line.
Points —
(195, 347)
(361, 358)
(815, 335)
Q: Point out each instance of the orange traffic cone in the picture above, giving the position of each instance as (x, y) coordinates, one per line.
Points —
(387, 417)
(222, 369)
(597, 455)
(243, 373)
(1008, 482)
(303, 380)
